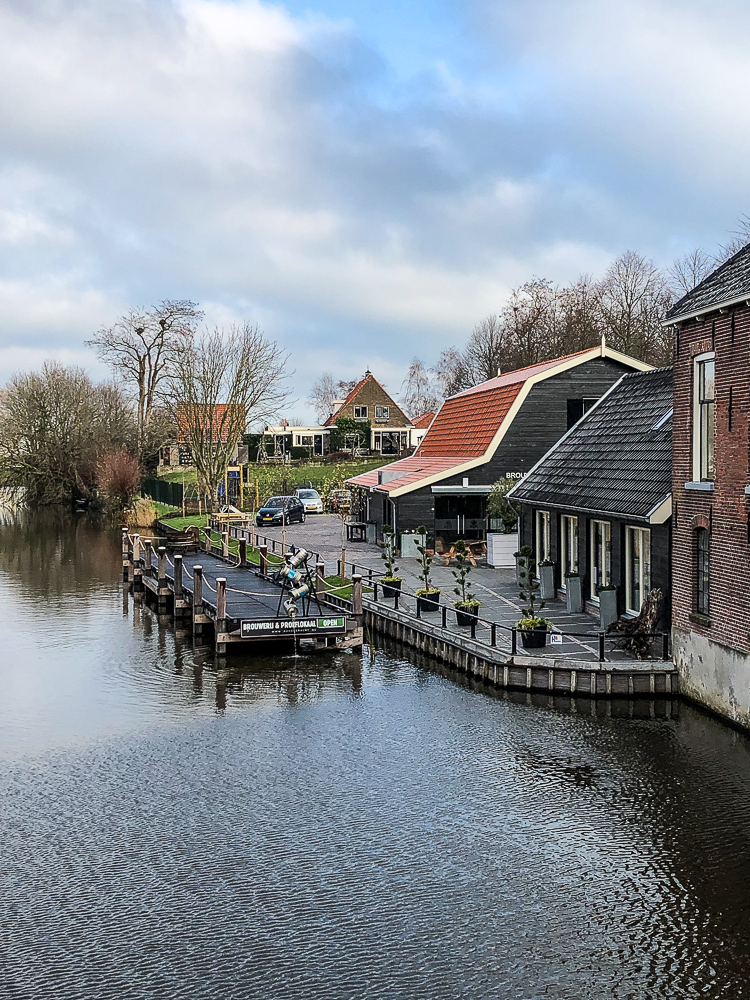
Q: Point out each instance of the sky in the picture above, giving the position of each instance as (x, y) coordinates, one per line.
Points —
(364, 180)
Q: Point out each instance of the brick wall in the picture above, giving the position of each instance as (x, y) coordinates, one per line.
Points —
(372, 394)
(724, 510)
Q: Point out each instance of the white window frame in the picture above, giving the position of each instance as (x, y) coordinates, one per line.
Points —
(637, 538)
(568, 526)
(543, 548)
(698, 361)
(607, 562)
(382, 413)
(360, 413)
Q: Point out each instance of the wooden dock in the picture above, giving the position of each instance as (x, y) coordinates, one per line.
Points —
(235, 602)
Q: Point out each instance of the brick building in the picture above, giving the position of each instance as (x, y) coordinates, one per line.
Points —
(711, 551)
(391, 430)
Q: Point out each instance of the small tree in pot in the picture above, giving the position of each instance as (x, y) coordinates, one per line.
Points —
(391, 583)
(428, 597)
(531, 625)
(467, 605)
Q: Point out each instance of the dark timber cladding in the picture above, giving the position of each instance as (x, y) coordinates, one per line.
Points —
(599, 504)
(498, 429)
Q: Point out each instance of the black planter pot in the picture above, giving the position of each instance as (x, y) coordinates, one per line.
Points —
(428, 604)
(465, 618)
(391, 589)
(533, 638)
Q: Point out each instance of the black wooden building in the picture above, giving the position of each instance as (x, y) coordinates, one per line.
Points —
(497, 429)
(599, 503)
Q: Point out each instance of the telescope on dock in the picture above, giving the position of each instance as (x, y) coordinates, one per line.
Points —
(297, 584)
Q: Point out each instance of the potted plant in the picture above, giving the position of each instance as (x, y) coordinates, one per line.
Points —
(391, 583)
(467, 606)
(531, 625)
(547, 579)
(607, 604)
(573, 593)
(428, 597)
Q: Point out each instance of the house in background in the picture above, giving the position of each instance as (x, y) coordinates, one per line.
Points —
(599, 503)
(217, 419)
(421, 426)
(711, 489)
(497, 429)
(391, 429)
(305, 441)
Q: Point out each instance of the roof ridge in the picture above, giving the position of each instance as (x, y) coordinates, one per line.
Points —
(706, 282)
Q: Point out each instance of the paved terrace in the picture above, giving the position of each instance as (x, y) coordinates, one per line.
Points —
(495, 588)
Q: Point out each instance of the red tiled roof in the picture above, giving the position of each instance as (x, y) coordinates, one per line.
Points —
(332, 419)
(467, 422)
(411, 470)
(220, 420)
(424, 421)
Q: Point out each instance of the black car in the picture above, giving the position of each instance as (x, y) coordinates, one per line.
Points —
(280, 510)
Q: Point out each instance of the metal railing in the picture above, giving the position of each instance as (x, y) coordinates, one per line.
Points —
(490, 629)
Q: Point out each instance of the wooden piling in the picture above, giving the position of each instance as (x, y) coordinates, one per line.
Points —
(197, 600)
(263, 560)
(320, 582)
(243, 552)
(225, 545)
(147, 562)
(126, 557)
(356, 594)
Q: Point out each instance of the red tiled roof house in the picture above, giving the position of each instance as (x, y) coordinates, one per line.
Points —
(391, 429)
(496, 429)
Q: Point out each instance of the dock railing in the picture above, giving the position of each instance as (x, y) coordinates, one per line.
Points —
(488, 632)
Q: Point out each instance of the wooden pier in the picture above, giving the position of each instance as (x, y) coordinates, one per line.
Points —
(234, 601)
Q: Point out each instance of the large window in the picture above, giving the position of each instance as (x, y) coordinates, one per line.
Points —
(601, 557)
(569, 544)
(542, 535)
(360, 413)
(637, 567)
(703, 567)
(704, 418)
(382, 412)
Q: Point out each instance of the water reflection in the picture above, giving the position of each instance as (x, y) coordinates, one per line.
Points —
(340, 826)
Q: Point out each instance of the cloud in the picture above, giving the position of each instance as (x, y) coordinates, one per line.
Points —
(278, 169)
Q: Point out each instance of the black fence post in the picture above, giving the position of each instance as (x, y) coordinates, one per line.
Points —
(418, 609)
(375, 592)
(473, 626)
(493, 634)
(444, 611)
(601, 647)
(513, 641)
(665, 645)
(395, 600)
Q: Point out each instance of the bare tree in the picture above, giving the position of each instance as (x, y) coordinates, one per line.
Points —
(451, 372)
(323, 393)
(420, 391)
(689, 270)
(633, 297)
(740, 238)
(221, 381)
(140, 346)
(54, 426)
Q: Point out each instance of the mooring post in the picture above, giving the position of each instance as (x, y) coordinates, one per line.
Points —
(177, 579)
(125, 555)
(320, 581)
(221, 603)
(197, 599)
(601, 647)
(147, 557)
(161, 585)
(225, 545)
(356, 594)
(243, 551)
(263, 560)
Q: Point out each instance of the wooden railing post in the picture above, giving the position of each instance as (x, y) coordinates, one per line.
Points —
(162, 571)
(197, 598)
(320, 581)
(147, 557)
(208, 539)
(178, 577)
(221, 599)
(126, 557)
(225, 545)
(356, 594)
(264, 560)
(243, 552)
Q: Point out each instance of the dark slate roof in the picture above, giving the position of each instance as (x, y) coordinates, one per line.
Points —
(728, 283)
(617, 459)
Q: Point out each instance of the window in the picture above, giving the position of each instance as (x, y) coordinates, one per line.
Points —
(577, 408)
(304, 439)
(382, 412)
(703, 567)
(376, 445)
(704, 418)
(569, 544)
(360, 413)
(542, 535)
(637, 567)
(601, 557)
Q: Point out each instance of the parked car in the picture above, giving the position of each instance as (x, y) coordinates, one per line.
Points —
(279, 510)
(311, 500)
(339, 500)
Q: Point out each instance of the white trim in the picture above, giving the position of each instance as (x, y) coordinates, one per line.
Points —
(607, 557)
(703, 310)
(629, 528)
(602, 351)
(699, 359)
(661, 512)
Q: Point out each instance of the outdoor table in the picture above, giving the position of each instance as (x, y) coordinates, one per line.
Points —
(356, 531)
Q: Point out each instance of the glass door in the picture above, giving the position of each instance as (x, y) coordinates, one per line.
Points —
(638, 567)
(601, 557)
(569, 544)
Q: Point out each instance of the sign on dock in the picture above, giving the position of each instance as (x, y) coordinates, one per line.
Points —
(263, 628)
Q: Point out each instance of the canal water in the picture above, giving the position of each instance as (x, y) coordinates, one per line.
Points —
(338, 827)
